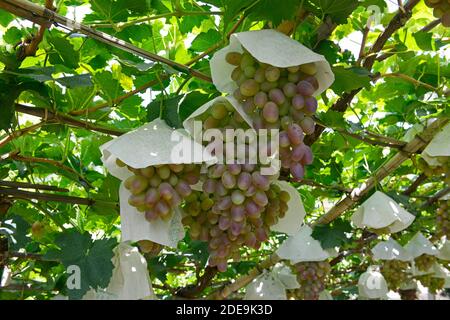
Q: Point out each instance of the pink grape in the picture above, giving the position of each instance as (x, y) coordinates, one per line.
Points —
(183, 188)
(228, 180)
(166, 191)
(284, 139)
(295, 134)
(270, 112)
(260, 198)
(244, 181)
(297, 171)
(298, 102)
(237, 197)
(224, 223)
(308, 125)
(237, 213)
(277, 96)
(298, 152)
(260, 99)
(224, 203)
(151, 197)
(234, 169)
(308, 158)
(209, 186)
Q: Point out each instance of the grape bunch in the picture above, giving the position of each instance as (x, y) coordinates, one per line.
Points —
(157, 190)
(394, 271)
(441, 10)
(408, 294)
(424, 262)
(282, 99)
(443, 220)
(432, 283)
(149, 248)
(312, 277)
(237, 207)
(440, 170)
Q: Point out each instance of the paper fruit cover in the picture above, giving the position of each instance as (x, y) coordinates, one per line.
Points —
(282, 52)
(372, 285)
(390, 250)
(379, 212)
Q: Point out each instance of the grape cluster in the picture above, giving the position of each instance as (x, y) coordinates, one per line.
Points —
(394, 271)
(312, 277)
(237, 207)
(443, 220)
(157, 190)
(409, 294)
(149, 248)
(279, 98)
(440, 170)
(441, 10)
(424, 262)
(432, 283)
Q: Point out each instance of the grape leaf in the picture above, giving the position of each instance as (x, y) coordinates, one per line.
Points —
(92, 257)
(205, 40)
(350, 79)
(332, 235)
(338, 10)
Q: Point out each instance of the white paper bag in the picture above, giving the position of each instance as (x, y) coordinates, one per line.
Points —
(420, 245)
(372, 285)
(301, 247)
(271, 47)
(152, 144)
(296, 213)
(444, 251)
(265, 287)
(438, 147)
(390, 250)
(379, 212)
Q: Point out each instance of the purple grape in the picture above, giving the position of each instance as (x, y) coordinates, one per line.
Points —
(183, 188)
(310, 105)
(250, 239)
(191, 177)
(305, 88)
(237, 213)
(295, 134)
(151, 215)
(285, 163)
(216, 171)
(166, 191)
(260, 99)
(284, 139)
(244, 181)
(234, 169)
(252, 209)
(297, 171)
(298, 102)
(261, 234)
(224, 223)
(308, 157)
(224, 203)
(313, 81)
(277, 96)
(249, 106)
(250, 191)
(221, 190)
(298, 152)
(209, 186)
(162, 208)
(260, 181)
(297, 115)
(260, 198)
(236, 228)
(151, 197)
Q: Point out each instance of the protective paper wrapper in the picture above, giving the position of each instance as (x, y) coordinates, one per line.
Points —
(130, 279)
(293, 220)
(372, 285)
(444, 251)
(188, 124)
(390, 250)
(271, 47)
(286, 276)
(420, 245)
(379, 212)
(265, 287)
(301, 247)
(438, 147)
(152, 144)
